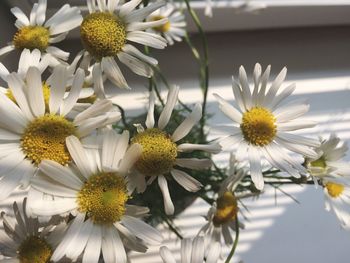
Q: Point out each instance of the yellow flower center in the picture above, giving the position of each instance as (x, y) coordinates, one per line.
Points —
(32, 37)
(103, 198)
(34, 250)
(321, 163)
(103, 34)
(258, 126)
(158, 152)
(163, 28)
(334, 189)
(45, 138)
(226, 209)
(46, 93)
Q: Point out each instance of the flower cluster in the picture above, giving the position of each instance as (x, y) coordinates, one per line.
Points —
(88, 171)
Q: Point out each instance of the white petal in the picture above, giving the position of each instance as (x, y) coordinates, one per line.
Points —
(128, 7)
(141, 13)
(58, 88)
(79, 156)
(58, 38)
(41, 12)
(166, 255)
(145, 25)
(35, 96)
(297, 139)
(237, 92)
(186, 181)
(6, 50)
(12, 179)
(295, 125)
(48, 186)
(255, 167)
(275, 86)
(147, 39)
(98, 81)
(168, 108)
(137, 66)
(301, 149)
(72, 232)
(18, 13)
(61, 174)
(291, 110)
(168, 204)
(130, 158)
(194, 163)
(247, 96)
(138, 54)
(74, 93)
(198, 250)
(95, 110)
(69, 21)
(228, 109)
(150, 115)
(93, 247)
(6, 135)
(185, 127)
(17, 87)
(283, 95)
(4, 72)
(110, 67)
(142, 230)
(210, 148)
(57, 53)
(12, 117)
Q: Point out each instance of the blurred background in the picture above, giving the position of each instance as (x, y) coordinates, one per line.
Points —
(311, 38)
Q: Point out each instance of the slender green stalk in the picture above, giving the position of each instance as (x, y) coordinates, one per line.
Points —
(204, 62)
(172, 228)
(122, 112)
(234, 246)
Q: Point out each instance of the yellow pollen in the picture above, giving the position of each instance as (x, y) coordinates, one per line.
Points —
(258, 126)
(158, 152)
(34, 250)
(163, 28)
(45, 138)
(226, 209)
(32, 37)
(334, 189)
(103, 198)
(103, 34)
(46, 93)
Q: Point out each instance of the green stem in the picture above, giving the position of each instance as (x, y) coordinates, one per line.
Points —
(122, 112)
(203, 62)
(234, 246)
(172, 228)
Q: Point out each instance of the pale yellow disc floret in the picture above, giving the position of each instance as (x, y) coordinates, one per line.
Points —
(103, 198)
(162, 28)
(103, 34)
(32, 37)
(259, 126)
(159, 152)
(45, 138)
(226, 210)
(34, 250)
(46, 93)
(334, 189)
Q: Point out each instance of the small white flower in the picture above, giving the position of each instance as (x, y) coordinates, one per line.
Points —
(26, 240)
(192, 251)
(337, 197)
(262, 128)
(329, 159)
(106, 33)
(94, 189)
(35, 124)
(160, 151)
(174, 28)
(35, 32)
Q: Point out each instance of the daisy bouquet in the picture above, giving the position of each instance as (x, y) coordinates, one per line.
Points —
(97, 181)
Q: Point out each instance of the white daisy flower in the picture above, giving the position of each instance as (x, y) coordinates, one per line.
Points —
(94, 189)
(34, 125)
(160, 151)
(263, 129)
(221, 219)
(35, 32)
(329, 160)
(106, 33)
(174, 29)
(337, 197)
(192, 251)
(26, 240)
